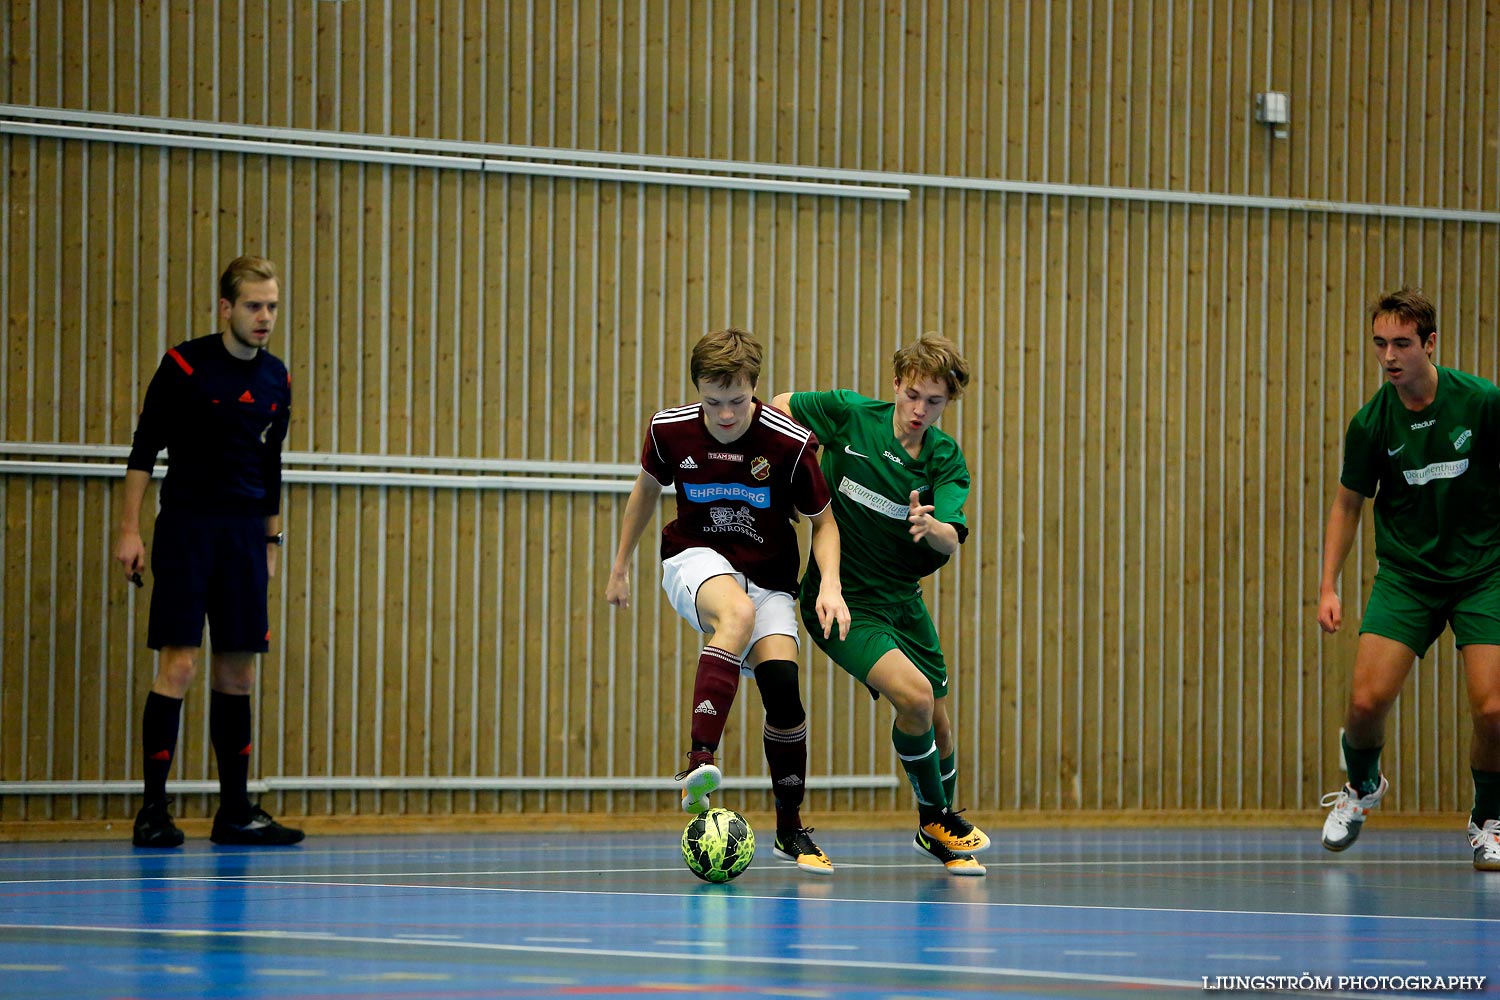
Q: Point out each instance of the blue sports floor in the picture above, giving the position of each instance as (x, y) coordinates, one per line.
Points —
(1070, 913)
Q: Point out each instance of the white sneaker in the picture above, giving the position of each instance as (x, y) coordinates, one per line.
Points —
(1341, 828)
(1486, 844)
(696, 786)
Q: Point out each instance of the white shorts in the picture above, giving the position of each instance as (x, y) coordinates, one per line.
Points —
(684, 573)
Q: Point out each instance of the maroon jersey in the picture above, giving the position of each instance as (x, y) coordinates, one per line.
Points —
(737, 498)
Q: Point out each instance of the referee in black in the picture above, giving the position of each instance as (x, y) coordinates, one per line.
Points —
(220, 405)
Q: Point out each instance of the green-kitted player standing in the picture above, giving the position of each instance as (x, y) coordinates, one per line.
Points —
(1427, 448)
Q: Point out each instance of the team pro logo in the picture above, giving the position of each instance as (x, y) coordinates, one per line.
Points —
(760, 467)
(1461, 437)
(756, 496)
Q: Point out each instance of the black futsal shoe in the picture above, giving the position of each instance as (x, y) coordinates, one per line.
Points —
(154, 826)
(255, 829)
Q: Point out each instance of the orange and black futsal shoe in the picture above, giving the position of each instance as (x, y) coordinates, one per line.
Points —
(952, 831)
(957, 864)
(798, 846)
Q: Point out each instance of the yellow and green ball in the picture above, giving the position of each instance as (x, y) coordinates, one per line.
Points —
(717, 845)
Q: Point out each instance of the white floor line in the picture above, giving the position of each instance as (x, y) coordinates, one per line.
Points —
(431, 937)
(348, 882)
(337, 881)
(815, 962)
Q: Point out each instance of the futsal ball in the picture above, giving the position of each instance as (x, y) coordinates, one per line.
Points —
(717, 845)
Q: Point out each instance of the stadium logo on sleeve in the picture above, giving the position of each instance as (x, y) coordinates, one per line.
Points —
(760, 467)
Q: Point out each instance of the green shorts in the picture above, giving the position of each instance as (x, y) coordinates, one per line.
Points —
(1414, 611)
(875, 630)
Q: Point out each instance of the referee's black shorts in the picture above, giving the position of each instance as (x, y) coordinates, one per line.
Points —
(211, 565)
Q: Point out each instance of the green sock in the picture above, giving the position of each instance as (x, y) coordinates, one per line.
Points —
(919, 758)
(1486, 796)
(1363, 765)
(948, 767)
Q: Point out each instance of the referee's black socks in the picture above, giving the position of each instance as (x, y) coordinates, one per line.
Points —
(229, 730)
(159, 724)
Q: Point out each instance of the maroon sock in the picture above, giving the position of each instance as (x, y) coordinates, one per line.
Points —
(714, 686)
(786, 755)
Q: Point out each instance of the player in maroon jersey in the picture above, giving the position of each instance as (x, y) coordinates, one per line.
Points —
(742, 470)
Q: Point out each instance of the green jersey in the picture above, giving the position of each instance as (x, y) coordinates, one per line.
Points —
(871, 477)
(1435, 477)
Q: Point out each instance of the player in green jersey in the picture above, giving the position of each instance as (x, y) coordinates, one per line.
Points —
(1427, 448)
(899, 485)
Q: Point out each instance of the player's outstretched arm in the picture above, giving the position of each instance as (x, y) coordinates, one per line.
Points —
(825, 549)
(638, 512)
(940, 536)
(1343, 525)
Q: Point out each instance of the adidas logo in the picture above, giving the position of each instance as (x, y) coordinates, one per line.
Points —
(705, 707)
(688, 463)
(791, 780)
(245, 397)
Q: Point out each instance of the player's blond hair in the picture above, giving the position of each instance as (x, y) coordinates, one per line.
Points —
(241, 270)
(1408, 305)
(932, 357)
(724, 355)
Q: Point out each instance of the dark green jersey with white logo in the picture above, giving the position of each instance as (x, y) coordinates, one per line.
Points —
(1435, 477)
(871, 478)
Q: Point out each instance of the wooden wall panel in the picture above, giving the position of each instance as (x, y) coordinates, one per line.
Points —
(1154, 431)
(1090, 92)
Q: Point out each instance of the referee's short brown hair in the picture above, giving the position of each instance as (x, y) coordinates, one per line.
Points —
(241, 270)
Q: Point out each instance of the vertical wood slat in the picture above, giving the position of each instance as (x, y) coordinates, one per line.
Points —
(1146, 560)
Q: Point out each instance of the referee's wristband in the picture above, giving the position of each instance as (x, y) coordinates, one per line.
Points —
(277, 539)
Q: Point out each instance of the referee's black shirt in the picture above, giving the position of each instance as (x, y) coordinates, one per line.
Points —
(223, 422)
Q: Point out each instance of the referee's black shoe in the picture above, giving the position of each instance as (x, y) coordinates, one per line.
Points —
(154, 826)
(254, 829)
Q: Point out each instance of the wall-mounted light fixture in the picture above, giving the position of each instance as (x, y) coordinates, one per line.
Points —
(1274, 109)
